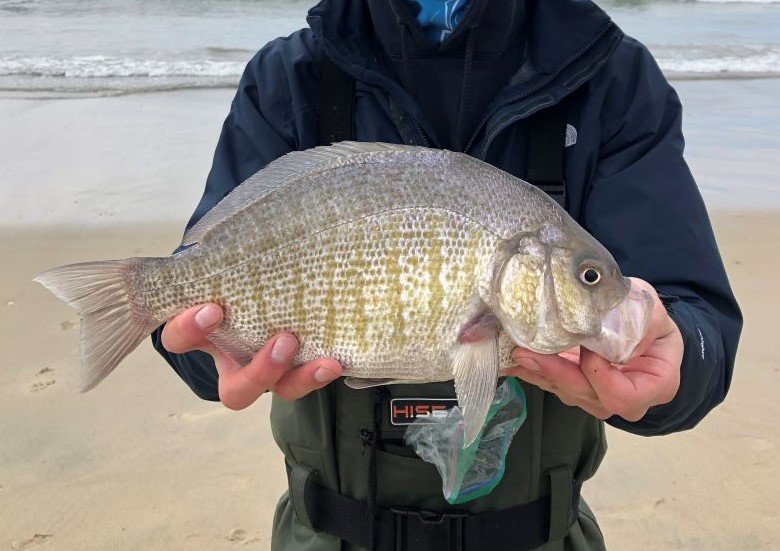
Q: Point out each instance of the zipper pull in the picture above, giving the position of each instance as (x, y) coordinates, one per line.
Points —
(368, 437)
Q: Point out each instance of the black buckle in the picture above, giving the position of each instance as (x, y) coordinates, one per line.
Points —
(417, 530)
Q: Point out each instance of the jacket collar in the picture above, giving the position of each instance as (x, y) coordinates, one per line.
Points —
(561, 35)
(494, 28)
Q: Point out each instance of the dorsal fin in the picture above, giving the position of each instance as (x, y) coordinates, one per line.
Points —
(278, 172)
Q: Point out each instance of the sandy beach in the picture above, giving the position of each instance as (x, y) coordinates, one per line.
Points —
(141, 463)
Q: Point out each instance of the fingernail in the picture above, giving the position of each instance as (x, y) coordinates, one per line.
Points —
(208, 316)
(529, 364)
(284, 348)
(324, 375)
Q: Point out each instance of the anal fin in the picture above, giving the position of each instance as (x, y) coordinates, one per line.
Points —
(475, 369)
(360, 383)
(239, 351)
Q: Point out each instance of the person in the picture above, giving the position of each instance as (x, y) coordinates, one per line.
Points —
(473, 78)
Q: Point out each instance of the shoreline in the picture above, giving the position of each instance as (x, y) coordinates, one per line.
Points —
(143, 158)
(32, 93)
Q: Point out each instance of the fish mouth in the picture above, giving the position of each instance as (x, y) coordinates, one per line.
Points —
(623, 327)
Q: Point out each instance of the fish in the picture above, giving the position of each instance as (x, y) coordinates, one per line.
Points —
(406, 264)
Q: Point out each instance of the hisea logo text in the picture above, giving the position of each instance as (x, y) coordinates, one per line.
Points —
(405, 411)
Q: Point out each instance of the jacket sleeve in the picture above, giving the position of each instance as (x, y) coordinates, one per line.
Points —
(262, 125)
(644, 206)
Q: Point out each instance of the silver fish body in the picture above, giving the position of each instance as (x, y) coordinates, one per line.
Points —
(404, 263)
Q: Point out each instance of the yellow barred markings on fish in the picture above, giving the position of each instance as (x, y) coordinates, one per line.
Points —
(404, 263)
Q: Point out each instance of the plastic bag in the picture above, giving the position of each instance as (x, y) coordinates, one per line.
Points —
(474, 471)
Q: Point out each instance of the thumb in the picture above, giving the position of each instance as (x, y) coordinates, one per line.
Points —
(190, 329)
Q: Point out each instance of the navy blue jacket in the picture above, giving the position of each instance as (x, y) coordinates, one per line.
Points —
(627, 182)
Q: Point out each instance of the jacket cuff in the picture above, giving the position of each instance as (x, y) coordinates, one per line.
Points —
(702, 376)
(196, 368)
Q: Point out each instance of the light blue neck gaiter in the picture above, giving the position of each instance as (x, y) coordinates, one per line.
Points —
(438, 18)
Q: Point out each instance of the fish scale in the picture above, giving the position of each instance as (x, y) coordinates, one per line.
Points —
(353, 292)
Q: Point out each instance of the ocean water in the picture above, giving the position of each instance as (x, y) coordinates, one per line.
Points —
(62, 47)
(105, 161)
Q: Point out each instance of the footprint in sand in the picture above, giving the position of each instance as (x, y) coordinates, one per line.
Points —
(36, 541)
(237, 535)
(44, 380)
(187, 416)
(37, 387)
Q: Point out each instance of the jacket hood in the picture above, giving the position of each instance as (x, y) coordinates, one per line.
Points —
(495, 29)
(558, 31)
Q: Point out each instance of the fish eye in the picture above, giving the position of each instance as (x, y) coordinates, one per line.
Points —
(590, 275)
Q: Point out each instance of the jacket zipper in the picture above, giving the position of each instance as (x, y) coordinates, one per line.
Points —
(421, 133)
(527, 93)
(368, 437)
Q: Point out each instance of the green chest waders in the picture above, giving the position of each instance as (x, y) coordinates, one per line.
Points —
(354, 485)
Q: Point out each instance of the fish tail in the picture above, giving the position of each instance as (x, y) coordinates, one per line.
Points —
(111, 324)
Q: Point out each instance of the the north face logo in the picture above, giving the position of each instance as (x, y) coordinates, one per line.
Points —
(571, 135)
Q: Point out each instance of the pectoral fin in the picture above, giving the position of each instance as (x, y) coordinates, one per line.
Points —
(475, 367)
(483, 326)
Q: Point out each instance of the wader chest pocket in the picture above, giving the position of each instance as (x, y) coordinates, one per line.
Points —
(398, 412)
(405, 411)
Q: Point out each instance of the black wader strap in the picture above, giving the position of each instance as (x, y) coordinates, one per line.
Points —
(519, 528)
(546, 142)
(300, 481)
(337, 105)
(326, 511)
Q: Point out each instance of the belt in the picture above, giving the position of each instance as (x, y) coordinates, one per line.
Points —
(519, 528)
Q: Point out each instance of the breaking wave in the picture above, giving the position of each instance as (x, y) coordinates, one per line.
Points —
(735, 63)
(100, 73)
(98, 66)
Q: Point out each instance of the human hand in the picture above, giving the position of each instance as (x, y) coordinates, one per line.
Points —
(270, 369)
(582, 378)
